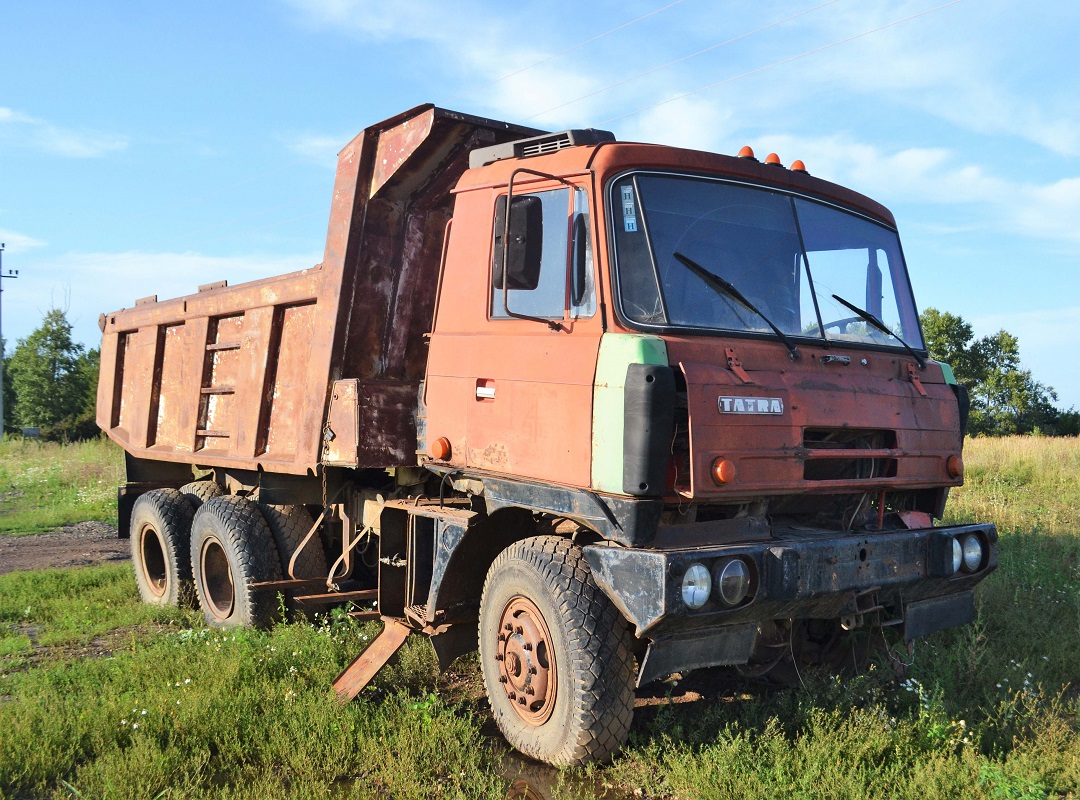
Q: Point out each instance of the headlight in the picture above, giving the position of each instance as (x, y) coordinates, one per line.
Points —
(696, 586)
(972, 550)
(957, 555)
(733, 581)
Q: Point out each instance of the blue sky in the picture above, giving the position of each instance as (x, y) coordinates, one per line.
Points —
(146, 148)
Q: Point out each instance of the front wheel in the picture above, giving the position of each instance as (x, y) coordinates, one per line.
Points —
(555, 655)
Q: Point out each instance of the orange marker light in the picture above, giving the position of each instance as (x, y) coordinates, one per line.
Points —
(955, 467)
(798, 166)
(747, 152)
(723, 471)
(773, 158)
(440, 449)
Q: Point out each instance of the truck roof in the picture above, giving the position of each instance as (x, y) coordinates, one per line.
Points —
(610, 158)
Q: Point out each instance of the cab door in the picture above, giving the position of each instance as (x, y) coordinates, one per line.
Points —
(519, 384)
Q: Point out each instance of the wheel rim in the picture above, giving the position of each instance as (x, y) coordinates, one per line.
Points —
(152, 548)
(526, 659)
(217, 579)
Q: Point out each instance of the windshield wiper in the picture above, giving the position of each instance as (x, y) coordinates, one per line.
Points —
(720, 286)
(877, 323)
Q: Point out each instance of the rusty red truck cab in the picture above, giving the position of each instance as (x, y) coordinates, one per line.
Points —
(716, 365)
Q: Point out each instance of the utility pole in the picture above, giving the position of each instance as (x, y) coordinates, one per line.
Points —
(8, 274)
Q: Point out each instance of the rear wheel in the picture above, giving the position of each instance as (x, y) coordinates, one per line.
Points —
(198, 492)
(232, 549)
(160, 535)
(290, 525)
(555, 655)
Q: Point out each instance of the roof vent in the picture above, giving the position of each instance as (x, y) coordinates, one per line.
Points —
(537, 145)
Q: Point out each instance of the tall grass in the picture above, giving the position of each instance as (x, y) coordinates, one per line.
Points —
(44, 485)
(986, 711)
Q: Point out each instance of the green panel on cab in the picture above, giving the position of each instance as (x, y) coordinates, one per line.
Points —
(946, 372)
(617, 352)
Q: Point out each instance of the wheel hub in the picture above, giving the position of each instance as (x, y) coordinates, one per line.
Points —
(526, 661)
(153, 560)
(217, 579)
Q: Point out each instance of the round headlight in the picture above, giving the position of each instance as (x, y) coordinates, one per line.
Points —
(972, 549)
(733, 582)
(696, 586)
(957, 555)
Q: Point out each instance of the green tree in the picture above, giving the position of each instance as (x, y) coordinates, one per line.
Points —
(1005, 398)
(950, 339)
(51, 375)
(9, 390)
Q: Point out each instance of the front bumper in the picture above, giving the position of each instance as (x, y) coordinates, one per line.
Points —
(906, 577)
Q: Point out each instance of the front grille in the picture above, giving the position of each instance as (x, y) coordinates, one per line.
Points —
(835, 454)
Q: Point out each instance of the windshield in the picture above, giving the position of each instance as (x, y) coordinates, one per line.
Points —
(787, 255)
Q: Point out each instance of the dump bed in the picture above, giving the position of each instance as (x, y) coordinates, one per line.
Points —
(242, 376)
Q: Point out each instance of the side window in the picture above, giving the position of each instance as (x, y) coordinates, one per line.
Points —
(547, 299)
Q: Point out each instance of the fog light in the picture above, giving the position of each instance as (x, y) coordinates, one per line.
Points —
(957, 555)
(732, 581)
(696, 586)
(973, 552)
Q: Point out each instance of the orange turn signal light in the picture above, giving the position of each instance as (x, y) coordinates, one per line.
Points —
(440, 449)
(723, 471)
(747, 152)
(773, 158)
(955, 467)
(798, 166)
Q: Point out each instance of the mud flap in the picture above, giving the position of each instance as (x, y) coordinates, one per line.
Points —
(731, 644)
(938, 614)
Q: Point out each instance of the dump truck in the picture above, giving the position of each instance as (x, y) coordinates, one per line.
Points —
(604, 411)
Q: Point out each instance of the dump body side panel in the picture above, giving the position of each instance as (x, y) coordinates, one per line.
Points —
(241, 376)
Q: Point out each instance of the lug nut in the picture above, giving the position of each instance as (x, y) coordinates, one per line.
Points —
(526, 646)
(521, 700)
(498, 656)
(519, 630)
(502, 679)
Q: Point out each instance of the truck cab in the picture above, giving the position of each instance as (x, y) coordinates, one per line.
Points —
(711, 369)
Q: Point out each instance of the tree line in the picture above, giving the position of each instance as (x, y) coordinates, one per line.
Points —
(50, 381)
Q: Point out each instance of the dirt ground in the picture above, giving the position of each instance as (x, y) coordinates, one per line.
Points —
(71, 546)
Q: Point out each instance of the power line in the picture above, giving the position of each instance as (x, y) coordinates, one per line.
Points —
(778, 63)
(678, 61)
(564, 52)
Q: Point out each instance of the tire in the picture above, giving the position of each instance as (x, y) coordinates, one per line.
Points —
(160, 544)
(289, 525)
(231, 549)
(198, 492)
(582, 700)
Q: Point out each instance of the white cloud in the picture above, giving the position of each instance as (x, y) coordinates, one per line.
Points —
(23, 130)
(15, 243)
(91, 283)
(318, 148)
(937, 176)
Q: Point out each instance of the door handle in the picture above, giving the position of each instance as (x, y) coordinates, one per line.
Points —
(485, 389)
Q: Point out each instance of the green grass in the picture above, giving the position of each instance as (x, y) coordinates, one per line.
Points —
(987, 711)
(201, 713)
(44, 485)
